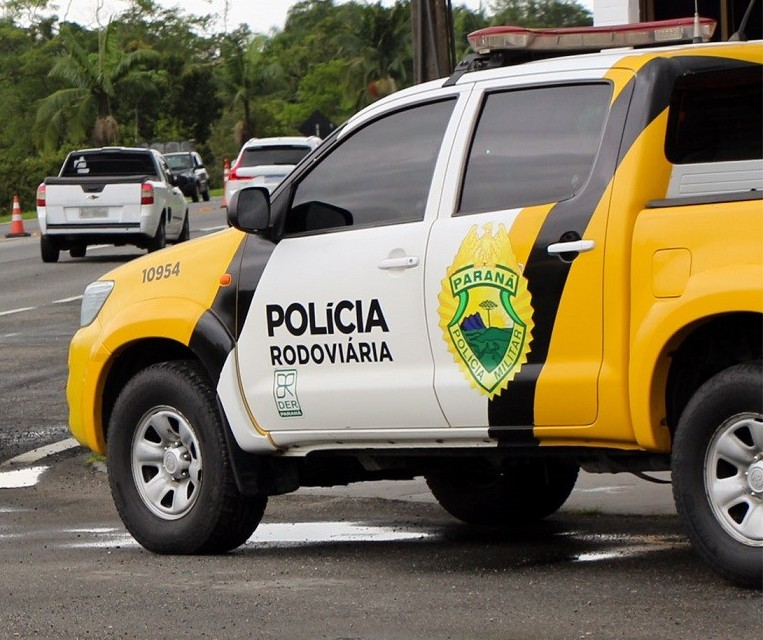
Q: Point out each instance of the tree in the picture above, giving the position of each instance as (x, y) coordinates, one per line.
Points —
(379, 50)
(488, 305)
(247, 73)
(85, 106)
(540, 13)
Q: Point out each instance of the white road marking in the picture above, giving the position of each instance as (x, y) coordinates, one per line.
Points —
(21, 478)
(19, 310)
(23, 309)
(210, 229)
(42, 452)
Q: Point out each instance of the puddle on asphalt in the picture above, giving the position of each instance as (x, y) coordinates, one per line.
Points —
(322, 532)
(21, 478)
(621, 546)
(267, 535)
(279, 535)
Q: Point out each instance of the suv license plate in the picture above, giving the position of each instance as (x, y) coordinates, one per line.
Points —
(93, 212)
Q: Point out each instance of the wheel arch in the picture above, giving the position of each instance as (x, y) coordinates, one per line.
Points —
(147, 341)
(209, 344)
(717, 307)
(704, 350)
(688, 358)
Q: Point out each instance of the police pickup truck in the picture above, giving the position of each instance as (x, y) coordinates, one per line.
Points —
(490, 281)
(110, 195)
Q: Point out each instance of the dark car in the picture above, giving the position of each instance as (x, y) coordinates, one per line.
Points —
(190, 173)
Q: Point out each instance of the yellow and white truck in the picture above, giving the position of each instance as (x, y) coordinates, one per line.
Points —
(491, 281)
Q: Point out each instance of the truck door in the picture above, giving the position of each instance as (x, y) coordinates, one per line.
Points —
(514, 272)
(336, 336)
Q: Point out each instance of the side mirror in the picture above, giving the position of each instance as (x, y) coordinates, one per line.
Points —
(249, 209)
(172, 178)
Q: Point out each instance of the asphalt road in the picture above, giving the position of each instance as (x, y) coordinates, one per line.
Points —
(369, 562)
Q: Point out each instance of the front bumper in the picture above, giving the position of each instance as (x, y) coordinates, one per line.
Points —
(88, 366)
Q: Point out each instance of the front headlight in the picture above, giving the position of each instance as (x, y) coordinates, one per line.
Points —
(93, 299)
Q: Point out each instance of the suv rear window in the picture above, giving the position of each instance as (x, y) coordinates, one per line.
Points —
(286, 154)
(716, 117)
(109, 164)
(179, 161)
(534, 146)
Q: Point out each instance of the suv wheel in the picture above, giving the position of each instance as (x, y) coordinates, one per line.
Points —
(718, 472)
(169, 466)
(78, 251)
(159, 241)
(517, 492)
(49, 249)
(185, 232)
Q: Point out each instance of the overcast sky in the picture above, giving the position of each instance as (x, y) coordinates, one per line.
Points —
(260, 15)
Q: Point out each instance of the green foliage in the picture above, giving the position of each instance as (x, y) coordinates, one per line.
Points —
(83, 109)
(540, 13)
(155, 74)
(21, 177)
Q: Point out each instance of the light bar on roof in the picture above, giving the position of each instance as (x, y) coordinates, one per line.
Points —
(590, 38)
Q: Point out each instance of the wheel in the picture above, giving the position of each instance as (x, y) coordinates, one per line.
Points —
(205, 194)
(519, 491)
(185, 232)
(718, 472)
(169, 468)
(78, 251)
(159, 241)
(49, 249)
(195, 193)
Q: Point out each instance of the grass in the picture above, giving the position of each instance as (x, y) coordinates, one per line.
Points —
(29, 215)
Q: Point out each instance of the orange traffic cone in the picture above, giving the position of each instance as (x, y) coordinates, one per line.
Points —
(17, 222)
(226, 173)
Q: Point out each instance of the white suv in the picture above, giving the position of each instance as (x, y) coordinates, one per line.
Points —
(264, 162)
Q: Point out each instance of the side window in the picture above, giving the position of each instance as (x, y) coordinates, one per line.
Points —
(716, 117)
(379, 175)
(534, 146)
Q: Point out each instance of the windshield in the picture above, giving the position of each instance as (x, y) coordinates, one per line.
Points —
(180, 161)
(284, 154)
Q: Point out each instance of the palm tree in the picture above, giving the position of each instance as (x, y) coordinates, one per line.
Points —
(84, 108)
(248, 74)
(379, 45)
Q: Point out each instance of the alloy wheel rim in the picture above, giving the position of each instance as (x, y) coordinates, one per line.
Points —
(734, 477)
(166, 463)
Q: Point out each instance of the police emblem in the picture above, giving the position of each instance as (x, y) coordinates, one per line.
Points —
(485, 310)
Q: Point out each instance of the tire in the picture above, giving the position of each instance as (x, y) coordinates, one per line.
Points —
(78, 251)
(195, 193)
(49, 249)
(169, 467)
(185, 231)
(205, 194)
(717, 470)
(520, 491)
(159, 241)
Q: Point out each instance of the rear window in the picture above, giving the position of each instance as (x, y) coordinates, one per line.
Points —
(716, 117)
(182, 161)
(282, 154)
(108, 164)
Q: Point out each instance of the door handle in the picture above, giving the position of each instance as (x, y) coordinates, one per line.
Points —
(575, 246)
(406, 262)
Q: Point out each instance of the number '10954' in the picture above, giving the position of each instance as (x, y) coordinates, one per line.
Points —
(163, 271)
